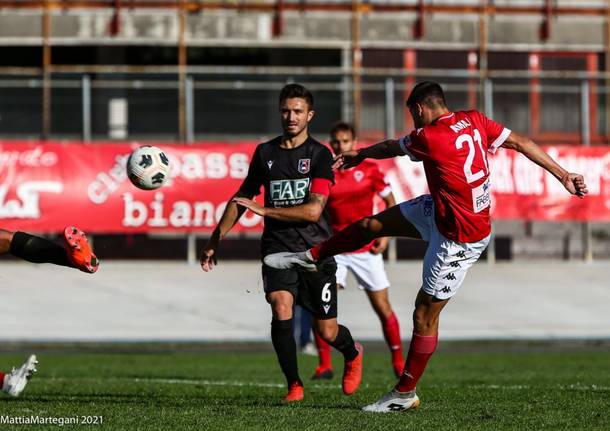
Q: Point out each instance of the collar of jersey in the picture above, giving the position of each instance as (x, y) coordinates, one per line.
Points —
(444, 117)
(279, 145)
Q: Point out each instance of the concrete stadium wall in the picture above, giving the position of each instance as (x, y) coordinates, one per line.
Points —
(154, 301)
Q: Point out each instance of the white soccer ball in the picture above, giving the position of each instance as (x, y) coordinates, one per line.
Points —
(148, 168)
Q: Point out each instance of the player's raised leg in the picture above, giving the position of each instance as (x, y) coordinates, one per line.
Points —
(341, 339)
(14, 382)
(282, 337)
(389, 323)
(76, 253)
(390, 222)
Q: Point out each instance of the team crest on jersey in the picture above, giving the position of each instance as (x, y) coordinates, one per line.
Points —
(304, 165)
(358, 176)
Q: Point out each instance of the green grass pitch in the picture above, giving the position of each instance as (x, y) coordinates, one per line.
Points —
(241, 390)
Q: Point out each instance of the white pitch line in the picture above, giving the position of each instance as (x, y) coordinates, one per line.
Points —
(234, 383)
(209, 382)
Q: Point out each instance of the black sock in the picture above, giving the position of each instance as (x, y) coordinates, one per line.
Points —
(38, 250)
(345, 344)
(285, 349)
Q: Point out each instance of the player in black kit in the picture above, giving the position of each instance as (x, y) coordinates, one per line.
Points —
(295, 171)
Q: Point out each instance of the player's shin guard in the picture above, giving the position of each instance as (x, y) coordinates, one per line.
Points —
(285, 349)
(349, 239)
(421, 349)
(38, 250)
(323, 352)
(345, 344)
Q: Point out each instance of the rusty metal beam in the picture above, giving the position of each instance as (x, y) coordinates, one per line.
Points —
(46, 72)
(182, 64)
(196, 6)
(545, 26)
(419, 27)
(356, 64)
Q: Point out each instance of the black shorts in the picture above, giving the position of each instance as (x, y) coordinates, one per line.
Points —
(314, 291)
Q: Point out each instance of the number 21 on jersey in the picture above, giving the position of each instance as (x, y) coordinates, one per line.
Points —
(480, 194)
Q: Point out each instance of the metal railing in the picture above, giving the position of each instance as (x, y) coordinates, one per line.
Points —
(240, 102)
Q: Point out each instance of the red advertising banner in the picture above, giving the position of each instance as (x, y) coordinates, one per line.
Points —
(44, 187)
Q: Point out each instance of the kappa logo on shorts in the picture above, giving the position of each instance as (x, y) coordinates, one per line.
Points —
(326, 308)
(446, 289)
(428, 207)
(304, 165)
(460, 254)
(454, 264)
(449, 276)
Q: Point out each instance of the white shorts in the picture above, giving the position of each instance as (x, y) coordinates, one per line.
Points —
(366, 267)
(446, 262)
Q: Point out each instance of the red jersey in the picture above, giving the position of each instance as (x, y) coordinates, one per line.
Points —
(454, 150)
(352, 196)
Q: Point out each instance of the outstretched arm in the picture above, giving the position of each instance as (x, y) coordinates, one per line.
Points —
(382, 150)
(308, 212)
(574, 183)
(231, 214)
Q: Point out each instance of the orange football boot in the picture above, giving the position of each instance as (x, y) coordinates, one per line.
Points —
(296, 392)
(352, 372)
(79, 251)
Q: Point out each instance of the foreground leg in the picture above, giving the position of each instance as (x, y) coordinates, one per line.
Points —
(14, 382)
(424, 341)
(341, 339)
(282, 338)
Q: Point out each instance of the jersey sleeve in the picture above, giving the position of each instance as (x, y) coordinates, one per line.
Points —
(323, 166)
(414, 145)
(254, 180)
(496, 133)
(381, 187)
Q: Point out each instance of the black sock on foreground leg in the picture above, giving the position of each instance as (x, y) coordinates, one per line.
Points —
(345, 344)
(38, 250)
(285, 349)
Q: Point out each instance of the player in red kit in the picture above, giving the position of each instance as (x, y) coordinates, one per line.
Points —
(453, 219)
(352, 198)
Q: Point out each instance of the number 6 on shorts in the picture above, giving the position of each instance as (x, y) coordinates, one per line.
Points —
(326, 294)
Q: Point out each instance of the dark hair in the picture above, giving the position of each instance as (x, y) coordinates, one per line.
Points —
(427, 93)
(291, 91)
(342, 126)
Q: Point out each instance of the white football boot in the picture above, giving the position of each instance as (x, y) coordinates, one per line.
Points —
(288, 260)
(15, 381)
(394, 401)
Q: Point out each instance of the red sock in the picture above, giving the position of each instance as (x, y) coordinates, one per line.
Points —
(391, 332)
(421, 349)
(349, 239)
(323, 351)
(1, 380)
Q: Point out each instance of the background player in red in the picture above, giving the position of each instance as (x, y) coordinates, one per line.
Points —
(352, 198)
(296, 173)
(454, 218)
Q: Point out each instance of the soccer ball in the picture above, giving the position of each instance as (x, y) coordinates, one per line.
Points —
(148, 168)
